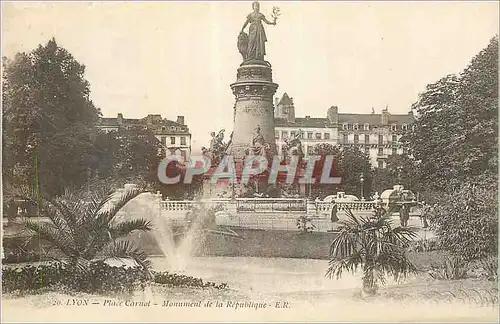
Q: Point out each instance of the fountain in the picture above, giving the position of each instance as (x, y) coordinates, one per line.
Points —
(176, 238)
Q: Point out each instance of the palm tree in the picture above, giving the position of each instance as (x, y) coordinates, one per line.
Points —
(82, 226)
(375, 246)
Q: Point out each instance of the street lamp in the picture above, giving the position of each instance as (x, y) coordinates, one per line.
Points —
(362, 180)
(400, 170)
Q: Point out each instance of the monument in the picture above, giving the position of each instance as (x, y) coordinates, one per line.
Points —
(253, 120)
(254, 90)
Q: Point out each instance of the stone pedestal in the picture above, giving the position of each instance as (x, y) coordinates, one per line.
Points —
(254, 91)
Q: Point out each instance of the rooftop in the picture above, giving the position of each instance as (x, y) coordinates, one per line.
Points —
(285, 100)
(303, 121)
(154, 122)
(374, 119)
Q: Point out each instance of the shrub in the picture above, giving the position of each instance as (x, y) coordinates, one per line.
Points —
(102, 278)
(425, 245)
(175, 280)
(453, 268)
(466, 219)
(490, 266)
(304, 224)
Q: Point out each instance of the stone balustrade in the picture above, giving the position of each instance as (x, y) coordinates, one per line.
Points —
(326, 207)
(271, 205)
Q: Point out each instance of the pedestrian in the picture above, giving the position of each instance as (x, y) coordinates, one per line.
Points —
(333, 216)
(423, 214)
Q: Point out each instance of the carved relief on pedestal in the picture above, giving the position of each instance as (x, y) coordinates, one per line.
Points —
(254, 72)
(266, 92)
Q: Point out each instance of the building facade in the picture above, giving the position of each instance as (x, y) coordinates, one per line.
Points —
(174, 136)
(378, 135)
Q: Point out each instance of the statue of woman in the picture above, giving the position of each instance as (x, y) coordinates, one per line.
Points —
(256, 48)
(260, 147)
(257, 137)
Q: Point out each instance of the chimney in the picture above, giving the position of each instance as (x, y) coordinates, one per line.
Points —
(180, 120)
(385, 116)
(333, 115)
(119, 119)
(291, 113)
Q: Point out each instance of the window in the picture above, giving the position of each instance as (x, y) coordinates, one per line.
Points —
(356, 138)
(355, 126)
(276, 134)
(327, 136)
(394, 138)
(367, 148)
(309, 150)
(344, 126)
(394, 128)
(285, 110)
(367, 139)
(284, 134)
(183, 140)
(318, 135)
(292, 134)
(405, 127)
(309, 135)
(380, 151)
(380, 139)
(394, 151)
(172, 140)
(345, 138)
(163, 140)
(381, 164)
(163, 128)
(367, 127)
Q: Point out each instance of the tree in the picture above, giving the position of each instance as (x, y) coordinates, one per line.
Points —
(400, 169)
(48, 119)
(349, 163)
(323, 150)
(455, 115)
(373, 245)
(353, 164)
(83, 227)
(455, 143)
(130, 154)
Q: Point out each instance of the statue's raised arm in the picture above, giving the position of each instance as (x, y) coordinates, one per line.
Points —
(252, 46)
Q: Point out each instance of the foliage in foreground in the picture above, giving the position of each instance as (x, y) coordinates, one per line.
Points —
(102, 279)
(83, 227)
(453, 268)
(466, 220)
(375, 246)
(490, 266)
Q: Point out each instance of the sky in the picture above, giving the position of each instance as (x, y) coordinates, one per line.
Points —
(179, 58)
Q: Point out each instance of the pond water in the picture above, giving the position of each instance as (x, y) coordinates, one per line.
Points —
(299, 282)
(267, 276)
